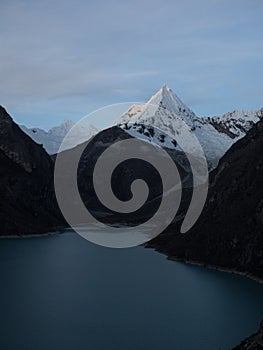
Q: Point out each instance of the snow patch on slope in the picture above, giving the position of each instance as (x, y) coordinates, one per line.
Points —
(150, 134)
(167, 113)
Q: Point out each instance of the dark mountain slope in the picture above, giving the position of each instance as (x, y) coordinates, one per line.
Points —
(28, 203)
(122, 178)
(229, 233)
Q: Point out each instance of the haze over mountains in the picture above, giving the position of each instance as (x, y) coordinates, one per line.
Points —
(154, 122)
(52, 139)
(228, 233)
(161, 121)
(24, 162)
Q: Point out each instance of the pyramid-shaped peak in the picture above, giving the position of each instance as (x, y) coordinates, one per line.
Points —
(164, 90)
(165, 87)
(164, 103)
(166, 98)
(166, 94)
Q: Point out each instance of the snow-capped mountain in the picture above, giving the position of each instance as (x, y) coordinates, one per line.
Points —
(217, 134)
(165, 116)
(162, 110)
(52, 139)
(236, 123)
(163, 120)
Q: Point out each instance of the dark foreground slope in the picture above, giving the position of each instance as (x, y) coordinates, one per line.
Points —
(229, 233)
(28, 204)
(123, 176)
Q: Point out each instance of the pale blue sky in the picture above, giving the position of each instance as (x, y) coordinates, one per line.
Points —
(63, 59)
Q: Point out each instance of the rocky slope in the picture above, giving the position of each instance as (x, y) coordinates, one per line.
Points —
(229, 232)
(26, 188)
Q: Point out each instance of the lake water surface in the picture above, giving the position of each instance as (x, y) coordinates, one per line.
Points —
(61, 292)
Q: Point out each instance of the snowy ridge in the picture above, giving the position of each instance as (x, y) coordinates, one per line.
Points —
(166, 113)
(236, 123)
(52, 139)
(217, 134)
(163, 104)
(165, 121)
(159, 113)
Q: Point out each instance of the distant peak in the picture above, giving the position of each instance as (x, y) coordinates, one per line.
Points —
(166, 99)
(164, 89)
(164, 102)
(165, 96)
(67, 122)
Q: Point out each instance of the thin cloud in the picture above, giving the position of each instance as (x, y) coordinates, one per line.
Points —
(63, 57)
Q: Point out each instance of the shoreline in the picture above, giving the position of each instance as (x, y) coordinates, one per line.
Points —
(218, 268)
(32, 235)
(212, 267)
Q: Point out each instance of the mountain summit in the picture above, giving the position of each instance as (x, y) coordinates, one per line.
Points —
(165, 121)
(164, 102)
(167, 99)
(161, 120)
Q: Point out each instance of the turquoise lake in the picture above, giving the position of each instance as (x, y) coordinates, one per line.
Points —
(62, 292)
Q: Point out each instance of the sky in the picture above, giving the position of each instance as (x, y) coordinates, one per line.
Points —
(63, 59)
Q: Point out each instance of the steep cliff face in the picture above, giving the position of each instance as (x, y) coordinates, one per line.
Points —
(229, 233)
(28, 203)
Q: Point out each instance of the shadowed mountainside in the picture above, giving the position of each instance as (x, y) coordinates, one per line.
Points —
(229, 231)
(123, 176)
(28, 204)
